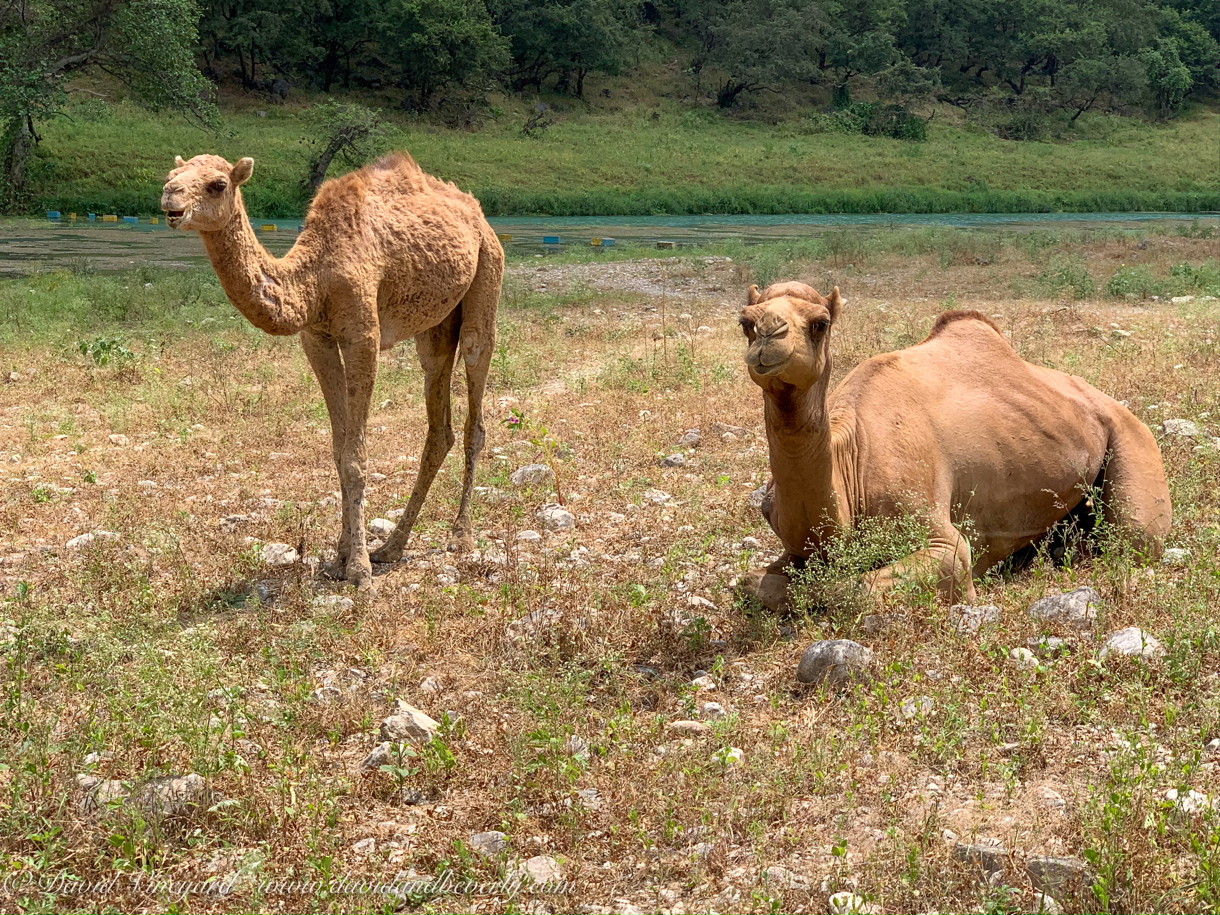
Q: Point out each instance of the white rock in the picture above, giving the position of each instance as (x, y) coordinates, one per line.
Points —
(971, 619)
(332, 602)
(916, 707)
(488, 844)
(674, 460)
(1181, 300)
(529, 536)
(381, 527)
(688, 728)
(119, 439)
(1046, 905)
(835, 661)
(712, 711)
(556, 518)
(431, 686)
(1175, 556)
(365, 846)
(381, 756)
(1023, 657)
(847, 902)
(1183, 428)
(700, 603)
(541, 869)
(733, 756)
(1131, 642)
(750, 543)
(85, 540)
(408, 723)
(757, 497)
(703, 683)
(656, 496)
(1076, 609)
(532, 475)
(278, 555)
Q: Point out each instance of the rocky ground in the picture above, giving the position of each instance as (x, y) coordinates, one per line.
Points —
(583, 703)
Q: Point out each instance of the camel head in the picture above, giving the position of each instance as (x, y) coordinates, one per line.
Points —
(788, 326)
(202, 194)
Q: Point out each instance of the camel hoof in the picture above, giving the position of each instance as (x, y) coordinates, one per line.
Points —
(360, 575)
(334, 569)
(462, 542)
(768, 588)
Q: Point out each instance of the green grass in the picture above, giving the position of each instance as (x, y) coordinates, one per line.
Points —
(667, 159)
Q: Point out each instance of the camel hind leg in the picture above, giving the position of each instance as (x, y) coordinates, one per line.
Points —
(1134, 494)
(477, 344)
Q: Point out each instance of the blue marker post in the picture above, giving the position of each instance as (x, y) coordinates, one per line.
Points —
(550, 239)
(52, 214)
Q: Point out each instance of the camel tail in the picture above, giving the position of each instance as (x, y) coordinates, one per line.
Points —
(1135, 496)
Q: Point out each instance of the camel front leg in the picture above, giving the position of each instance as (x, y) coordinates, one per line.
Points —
(947, 557)
(360, 364)
(327, 365)
(436, 348)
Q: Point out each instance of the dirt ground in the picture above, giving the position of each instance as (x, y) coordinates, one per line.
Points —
(559, 664)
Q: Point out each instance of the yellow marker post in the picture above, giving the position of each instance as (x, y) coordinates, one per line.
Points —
(268, 227)
(504, 238)
(110, 217)
(154, 220)
(595, 242)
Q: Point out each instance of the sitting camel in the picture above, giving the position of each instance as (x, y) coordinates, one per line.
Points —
(386, 253)
(956, 427)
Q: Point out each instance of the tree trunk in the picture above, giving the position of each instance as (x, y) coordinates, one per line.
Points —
(318, 167)
(580, 82)
(18, 144)
(728, 92)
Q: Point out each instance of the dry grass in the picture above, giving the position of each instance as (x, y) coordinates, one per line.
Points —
(154, 649)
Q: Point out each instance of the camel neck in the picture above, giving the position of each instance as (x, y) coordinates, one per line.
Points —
(807, 507)
(276, 295)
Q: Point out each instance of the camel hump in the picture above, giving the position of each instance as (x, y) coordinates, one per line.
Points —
(950, 318)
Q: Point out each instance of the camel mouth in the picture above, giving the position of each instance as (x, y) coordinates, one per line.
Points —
(174, 218)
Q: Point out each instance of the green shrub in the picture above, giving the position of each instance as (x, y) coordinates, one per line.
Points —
(1067, 276)
(1133, 283)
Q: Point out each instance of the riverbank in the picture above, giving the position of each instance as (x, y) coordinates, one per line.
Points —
(655, 160)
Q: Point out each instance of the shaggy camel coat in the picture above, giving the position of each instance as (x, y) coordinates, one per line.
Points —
(387, 253)
(957, 427)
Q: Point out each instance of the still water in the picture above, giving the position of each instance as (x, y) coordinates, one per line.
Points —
(28, 245)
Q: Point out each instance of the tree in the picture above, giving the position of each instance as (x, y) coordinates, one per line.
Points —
(1108, 79)
(1168, 77)
(436, 42)
(146, 44)
(344, 132)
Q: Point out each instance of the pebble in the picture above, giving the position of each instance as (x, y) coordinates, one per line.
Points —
(1076, 609)
(556, 518)
(733, 756)
(917, 706)
(689, 728)
(1055, 876)
(278, 555)
(835, 661)
(119, 439)
(381, 756)
(541, 869)
(332, 602)
(1023, 657)
(1175, 556)
(532, 475)
(756, 497)
(703, 683)
(1131, 642)
(751, 543)
(657, 496)
(690, 438)
(431, 686)
(1182, 428)
(700, 603)
(381, 527)
(1046, 905)
(408, 723)
(1047, 646)
(713, 711)
(529, 536)
(847, 903)
(968, 619)
(365, 846)
(674, 460)
(986, 858)
(488, 844)
(85, 540)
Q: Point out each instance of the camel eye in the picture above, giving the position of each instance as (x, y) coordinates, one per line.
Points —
(218, 186)
(818, 327)
(747, 327)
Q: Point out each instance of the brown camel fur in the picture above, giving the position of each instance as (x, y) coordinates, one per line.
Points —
(956, 427)
(387, 253)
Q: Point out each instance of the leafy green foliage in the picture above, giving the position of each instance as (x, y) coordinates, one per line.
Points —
(438, 42)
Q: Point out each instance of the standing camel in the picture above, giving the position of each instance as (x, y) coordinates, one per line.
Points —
(387, 253)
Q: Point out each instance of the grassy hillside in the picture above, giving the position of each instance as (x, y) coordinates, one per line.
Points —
(658, 157)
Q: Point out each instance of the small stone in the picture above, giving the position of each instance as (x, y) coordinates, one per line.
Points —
(656, 496)
(1175, 556)
(733, 756)
(916, 707)
(365, 846)
(835, 661)
(689, 728)
(1023, 657)
(576, 747)
(119, 439)
(408, 723)
(1213, 745)
(332, 602)
(541, 869)
(278, 555)
(674, 460)
(700, 603)
(690, 438)
(757, 497)
(848, 903)
(84, 540)
(1132, 642)
(873, 623)
(1182, 428)
(785, 878)
(556, 518)
(488, 844)
(431, 686)
(529, 536)
(1060, 878)
(970, 619)
(1046, 905)
(1076, 609)
(703, 683)
(230, 523)
(327, 694)
(532, 475)
(712, 711)
(170, 796)
(725, 429)
(986, 858)
(381, 527)
(147, 484)
(381, 756)
(99, 793)
(751, 543)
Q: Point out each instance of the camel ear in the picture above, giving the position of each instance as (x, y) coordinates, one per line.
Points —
(753, 295)
(834, 302)
(179, 162)
(242, 170)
